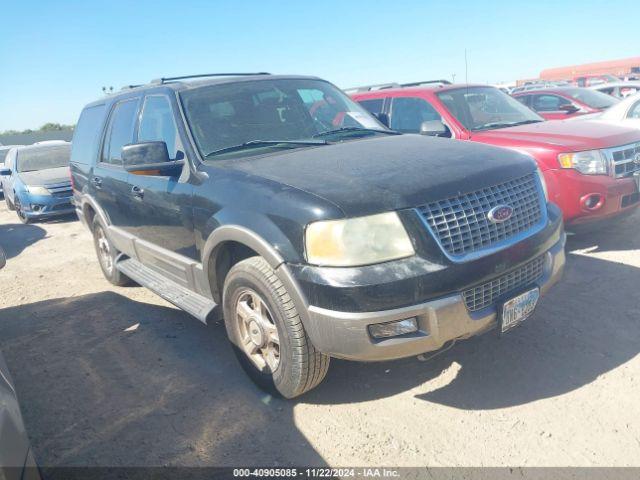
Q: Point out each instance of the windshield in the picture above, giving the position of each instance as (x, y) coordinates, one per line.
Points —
(3, 154)
(42, 158)
(592, 98)
(243, 118)
(485, 108)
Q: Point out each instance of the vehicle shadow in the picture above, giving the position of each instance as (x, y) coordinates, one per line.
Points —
(15, 237)
(586, 326)
(97, 390)
(616, 235)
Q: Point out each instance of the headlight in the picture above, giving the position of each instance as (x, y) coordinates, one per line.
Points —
(357, 241)
(543, 183)
(591, 162)
(38, 191)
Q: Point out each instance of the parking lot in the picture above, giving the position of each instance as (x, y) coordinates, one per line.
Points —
(116, 376)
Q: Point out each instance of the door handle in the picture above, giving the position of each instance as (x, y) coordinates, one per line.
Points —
(97, 182)
(137, 192)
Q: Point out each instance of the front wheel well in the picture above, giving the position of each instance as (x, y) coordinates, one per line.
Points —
(225, 256)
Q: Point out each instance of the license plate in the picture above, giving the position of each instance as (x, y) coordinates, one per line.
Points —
(518, 309)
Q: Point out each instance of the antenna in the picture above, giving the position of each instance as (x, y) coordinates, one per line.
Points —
(466, 68)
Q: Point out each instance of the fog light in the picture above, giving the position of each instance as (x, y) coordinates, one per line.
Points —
(393, 329)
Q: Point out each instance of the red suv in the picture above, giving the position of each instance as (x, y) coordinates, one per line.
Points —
(565, 102)
(591, 169)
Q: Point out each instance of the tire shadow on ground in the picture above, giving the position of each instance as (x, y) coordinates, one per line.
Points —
(105, 380)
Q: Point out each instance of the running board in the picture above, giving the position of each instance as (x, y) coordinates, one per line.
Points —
(191, 302)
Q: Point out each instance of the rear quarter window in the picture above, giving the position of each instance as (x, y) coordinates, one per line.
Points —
(86, 138)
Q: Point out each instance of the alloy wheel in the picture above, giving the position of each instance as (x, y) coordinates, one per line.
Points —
(258, 333)
(104, 250)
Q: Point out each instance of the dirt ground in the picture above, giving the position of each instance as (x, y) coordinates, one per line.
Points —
(563, 389)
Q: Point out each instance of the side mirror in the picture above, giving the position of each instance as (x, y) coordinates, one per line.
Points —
(150, 158)
(5, 172)
(568, 109)
(434, 128)
(383, 117)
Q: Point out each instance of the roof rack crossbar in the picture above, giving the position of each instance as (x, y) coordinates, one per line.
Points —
(367, 88)
(185, 77)
(425, 82)
(382, 86)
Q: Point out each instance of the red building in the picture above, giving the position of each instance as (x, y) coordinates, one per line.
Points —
(619, 68)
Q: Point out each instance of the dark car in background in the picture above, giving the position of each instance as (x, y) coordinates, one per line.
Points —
(315, 231)
(565, 102)
(36, 180)
(16, 457)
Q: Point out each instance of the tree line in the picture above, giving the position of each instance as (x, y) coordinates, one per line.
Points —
(47, 127)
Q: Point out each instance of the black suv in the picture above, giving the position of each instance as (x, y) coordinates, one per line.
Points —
(316, 230)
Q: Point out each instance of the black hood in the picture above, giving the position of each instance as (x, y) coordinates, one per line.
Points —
(391, 172)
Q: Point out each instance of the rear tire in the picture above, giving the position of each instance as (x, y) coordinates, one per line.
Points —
(266, 332)
(107, 255)
(9, 204)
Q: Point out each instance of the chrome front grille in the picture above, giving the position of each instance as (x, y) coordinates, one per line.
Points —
(60, 189)
(624, 159)
(487, 294)
(462, 226)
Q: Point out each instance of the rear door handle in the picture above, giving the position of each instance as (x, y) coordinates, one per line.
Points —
(137, 192)
(97, 182)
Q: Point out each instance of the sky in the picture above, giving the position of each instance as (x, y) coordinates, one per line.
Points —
(55, 56)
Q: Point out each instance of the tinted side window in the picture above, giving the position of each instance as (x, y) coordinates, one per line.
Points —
(407, 113)
(86, 137)
(523, 99)
(157, 124)
(120, 131)
(548, 103)
(374, 105)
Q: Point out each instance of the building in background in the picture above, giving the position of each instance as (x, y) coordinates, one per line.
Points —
(619, 68)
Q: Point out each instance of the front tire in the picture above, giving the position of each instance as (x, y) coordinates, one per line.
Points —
(266, 332)
(21, 215)
(107, 255)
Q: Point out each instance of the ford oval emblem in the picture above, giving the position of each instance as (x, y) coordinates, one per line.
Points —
(500, 214)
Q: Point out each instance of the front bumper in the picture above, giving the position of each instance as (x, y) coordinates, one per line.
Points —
(40, 206)
(610, 196)
(345, 334)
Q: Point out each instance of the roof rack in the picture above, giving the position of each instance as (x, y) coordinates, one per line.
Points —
(382, 86)
(426, 82)
(185, 77)
(368, 88)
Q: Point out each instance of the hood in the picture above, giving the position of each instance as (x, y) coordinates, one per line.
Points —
(387, 173)
(562, 135)
(45, 177)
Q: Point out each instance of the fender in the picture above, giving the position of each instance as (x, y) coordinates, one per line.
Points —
(254, 241)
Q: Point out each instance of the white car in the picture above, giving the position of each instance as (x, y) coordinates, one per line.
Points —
(625, 113)
(618, 89)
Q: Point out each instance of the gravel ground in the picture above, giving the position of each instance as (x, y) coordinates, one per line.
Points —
(562, 389)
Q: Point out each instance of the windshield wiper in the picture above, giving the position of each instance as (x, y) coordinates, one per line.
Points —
(487, 126)
(356, 129)
(264, 143)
